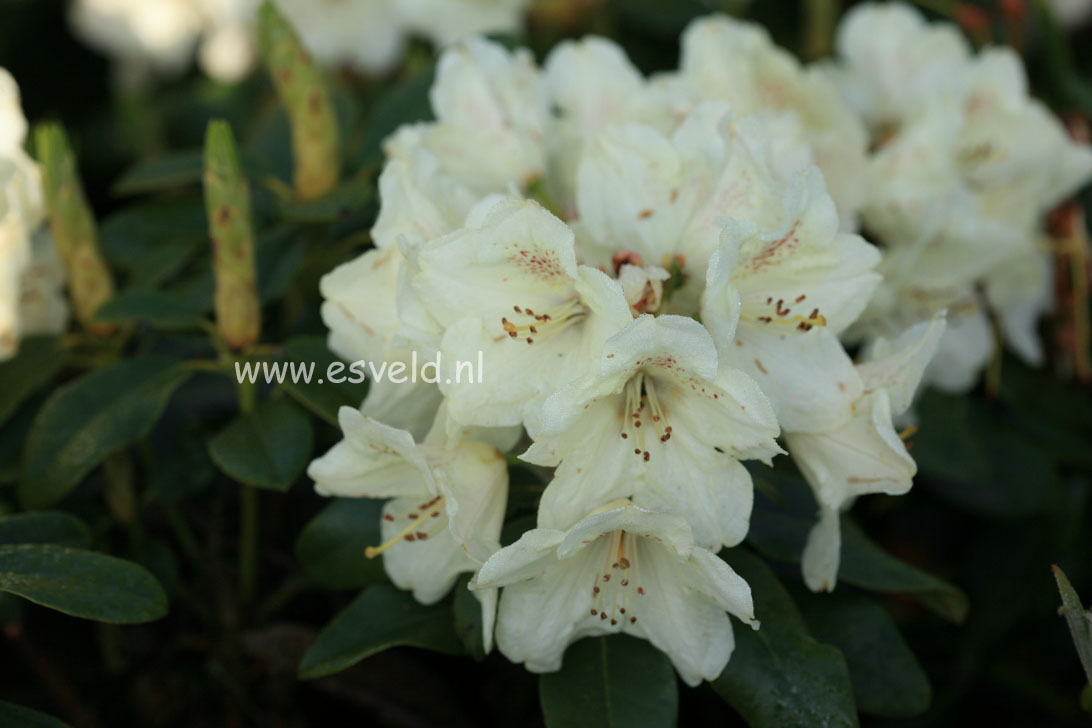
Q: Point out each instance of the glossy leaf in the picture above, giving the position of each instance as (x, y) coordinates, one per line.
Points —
(331, 546)
(887, 679)
(81, 583)
(616, 681)
(468, 619)
(268, 448)
(381, 617)
(86, 420)
(44, 527)
(780, 676)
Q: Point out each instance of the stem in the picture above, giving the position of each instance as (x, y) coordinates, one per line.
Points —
(248, 512)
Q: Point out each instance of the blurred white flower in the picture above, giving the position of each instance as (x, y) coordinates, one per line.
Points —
(622, 570)
(660, 423)
(30, 273)
(447, 500)
(161, 37)
(862, 453)
(1072, 13)
(966, 166)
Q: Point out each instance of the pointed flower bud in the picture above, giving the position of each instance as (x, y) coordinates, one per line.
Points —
(227, 201)
(73, 226)
(306, 101)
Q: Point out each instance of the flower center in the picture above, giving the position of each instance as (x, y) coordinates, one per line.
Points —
(617, 586)
(782, 314)
(532, 326)
(426, 520)
(643, 415)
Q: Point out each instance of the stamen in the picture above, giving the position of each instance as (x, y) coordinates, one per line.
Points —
(407, 533)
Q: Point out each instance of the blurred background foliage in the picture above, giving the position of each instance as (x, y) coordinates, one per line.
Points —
(1003, 489)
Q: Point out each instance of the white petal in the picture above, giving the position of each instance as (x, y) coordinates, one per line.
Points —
(359, 305)
(527, 558)
(427, 566)
(898, 366)
(373, 461)
(822, 552)
(670, 531)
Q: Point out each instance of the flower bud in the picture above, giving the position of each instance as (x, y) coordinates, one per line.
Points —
(306, 101)
(73, 226)
(227, 202)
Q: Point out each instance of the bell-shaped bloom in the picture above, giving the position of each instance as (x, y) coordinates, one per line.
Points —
(622, 570)
(863, 453)
(447, 500)
(507, 285)
(659, 422)
(776, 300)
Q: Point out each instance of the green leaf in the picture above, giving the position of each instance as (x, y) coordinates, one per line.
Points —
(866, 565)
(779, 530)
(887, 679)
(38, 361)
(610, 681)
(331, 546)
(779, 676)
(973, 456)
(161, 173)
(86, 420)
(44, 527)
(381, 617)
(1079, 620)
(81, 583)
(155, 308)
(468, 619)
(268, 448)
(352, 194)
(153, 241)
(327, 398)
(17, 716)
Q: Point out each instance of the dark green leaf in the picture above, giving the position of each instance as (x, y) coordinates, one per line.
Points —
(779, 676)
(331, 546)
(350, 195)
(152, 241)
(38, 361)
(468, 619)
(154, 175)
(866, 565)
(887, 679)
(86, 420)
(186, 470)
(44, 527)
(610, 681)
(380, 618)
(327, 398)
(154, 308)
(81, 583)
(268, 448)
(280, 254)
(16, 716)
(779, 530)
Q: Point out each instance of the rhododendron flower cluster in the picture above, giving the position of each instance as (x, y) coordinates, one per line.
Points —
(658, 272)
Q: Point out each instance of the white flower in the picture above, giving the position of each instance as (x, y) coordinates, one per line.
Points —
(364, 304)
(862, 453)
(446, 21)
(624, 570)
(364, 34)
(894, 62)
(491, 117)
(30, 274)
(777, 298)
(507, 284)
(446, 507)
(1072, 13)
(724, 59)
(656, 422)
(966, 167)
